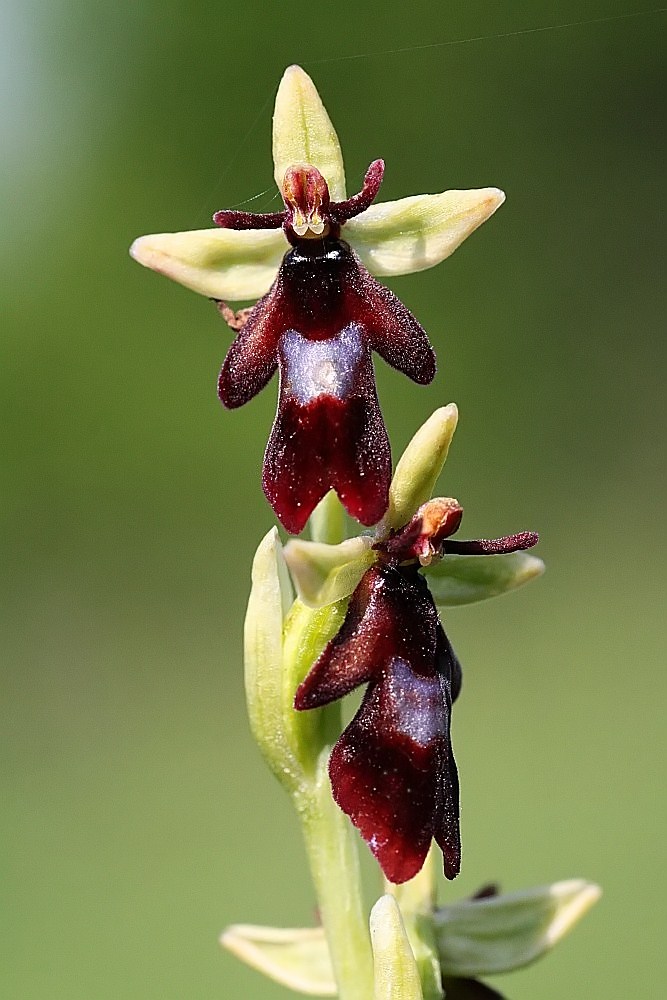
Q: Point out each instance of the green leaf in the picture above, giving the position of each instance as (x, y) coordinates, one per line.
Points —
(458, 579)
(296, 958)
(399, 237)
(395, 969)
(303, 133)
(220, 263)
(324, 573)
(419, 467)
(480, 937)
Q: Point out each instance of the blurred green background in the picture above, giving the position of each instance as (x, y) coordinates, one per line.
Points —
(138, 817)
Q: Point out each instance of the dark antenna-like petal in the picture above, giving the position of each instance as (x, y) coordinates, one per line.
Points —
(229, 218)
(492, 546)
(341, 211)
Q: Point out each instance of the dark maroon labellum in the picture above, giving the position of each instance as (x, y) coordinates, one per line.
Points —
(318, 325)
(392, 770)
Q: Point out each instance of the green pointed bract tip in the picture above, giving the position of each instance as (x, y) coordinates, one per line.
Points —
(480, 937)
(416, 901)
(294, 957)
(303, 133)
(269, 601)
(419, 467)
(456, 580)
(395, 970)
(327, 522)
(323, 573)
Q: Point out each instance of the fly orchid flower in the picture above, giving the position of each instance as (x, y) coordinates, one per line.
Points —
(393, 770)
(320, 313)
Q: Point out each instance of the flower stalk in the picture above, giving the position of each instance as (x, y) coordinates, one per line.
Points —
(329, 838)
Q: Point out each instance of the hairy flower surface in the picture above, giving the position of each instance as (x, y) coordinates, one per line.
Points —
(393, 770)
(321, 314)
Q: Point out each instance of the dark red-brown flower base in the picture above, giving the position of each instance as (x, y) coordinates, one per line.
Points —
(319, 323)
(392, 770)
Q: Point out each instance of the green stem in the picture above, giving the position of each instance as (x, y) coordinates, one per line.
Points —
(328, 834)
(334, 865)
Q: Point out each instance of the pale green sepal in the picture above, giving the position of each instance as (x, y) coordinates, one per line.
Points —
(324, 573)
(296, 958)
(395, 970)
(327, 522)
(399, 237)
(480, 937)
(458, 580)
(303, 133)
(220, 263)
(416, 901)
(270, 596)
(419, 467)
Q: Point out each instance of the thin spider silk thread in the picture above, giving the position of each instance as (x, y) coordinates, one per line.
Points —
(420, 48)
(485, 38)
